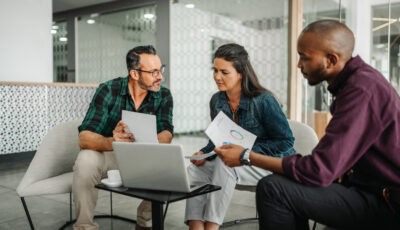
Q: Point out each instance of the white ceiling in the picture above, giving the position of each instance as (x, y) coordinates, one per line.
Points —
(233, 8)
(240, 9)
(63, 5)
(257, 9)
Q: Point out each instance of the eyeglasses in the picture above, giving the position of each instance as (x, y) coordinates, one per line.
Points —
(154, 73)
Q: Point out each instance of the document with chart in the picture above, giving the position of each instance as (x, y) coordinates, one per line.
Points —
(143, 126)
(223, 130)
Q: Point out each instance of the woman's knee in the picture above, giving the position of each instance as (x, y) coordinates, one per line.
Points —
(193, 171)
(221, 168)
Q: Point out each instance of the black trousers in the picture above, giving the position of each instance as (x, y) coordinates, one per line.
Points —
(285, 204)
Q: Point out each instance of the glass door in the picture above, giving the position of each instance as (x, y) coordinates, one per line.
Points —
(104, 39)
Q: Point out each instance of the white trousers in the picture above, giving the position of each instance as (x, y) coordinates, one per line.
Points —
(212, 207)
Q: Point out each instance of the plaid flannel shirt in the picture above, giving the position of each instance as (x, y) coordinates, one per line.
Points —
(113, 96)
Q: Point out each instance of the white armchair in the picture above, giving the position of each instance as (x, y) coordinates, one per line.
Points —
(50, 171)
(305, 139)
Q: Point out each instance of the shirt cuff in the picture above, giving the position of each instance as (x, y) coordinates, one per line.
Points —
(288, 165)
(87, 128)
(167, 128)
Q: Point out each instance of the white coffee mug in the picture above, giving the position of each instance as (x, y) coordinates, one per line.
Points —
(114, 175)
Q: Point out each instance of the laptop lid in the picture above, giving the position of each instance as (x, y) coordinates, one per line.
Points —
(152, 166)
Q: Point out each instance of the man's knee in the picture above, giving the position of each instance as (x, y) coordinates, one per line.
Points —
(88, 165)
(271, 186)
(89, 159)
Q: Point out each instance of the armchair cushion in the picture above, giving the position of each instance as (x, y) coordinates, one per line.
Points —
(50, 171)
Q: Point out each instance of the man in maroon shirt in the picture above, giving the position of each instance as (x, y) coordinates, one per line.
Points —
(362, 141)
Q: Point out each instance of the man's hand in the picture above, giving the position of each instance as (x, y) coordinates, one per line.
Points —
(119, 134)
(230, 154)
(198, 162)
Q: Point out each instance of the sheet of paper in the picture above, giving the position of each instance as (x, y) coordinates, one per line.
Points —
(200, 157)
(223, 130)
(143, 126)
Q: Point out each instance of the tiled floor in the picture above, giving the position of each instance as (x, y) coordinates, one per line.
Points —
(51, 211)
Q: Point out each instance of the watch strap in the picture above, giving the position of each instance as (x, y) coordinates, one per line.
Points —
(246, 155)
(243, 152)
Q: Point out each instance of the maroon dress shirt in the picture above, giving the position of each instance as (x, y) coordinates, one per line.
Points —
(363, 135)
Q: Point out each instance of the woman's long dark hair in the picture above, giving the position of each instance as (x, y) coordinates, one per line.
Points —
(239, 57)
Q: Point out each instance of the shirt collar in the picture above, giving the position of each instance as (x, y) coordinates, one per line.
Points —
(342, 77)
(125, 89)
(243, 104)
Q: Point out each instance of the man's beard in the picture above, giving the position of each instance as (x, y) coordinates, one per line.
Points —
(316, 76)
(151, 87)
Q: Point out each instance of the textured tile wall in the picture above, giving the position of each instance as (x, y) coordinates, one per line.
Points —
(28, 112)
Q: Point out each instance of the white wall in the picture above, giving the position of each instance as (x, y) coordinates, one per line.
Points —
(358, 19)
(25, 41)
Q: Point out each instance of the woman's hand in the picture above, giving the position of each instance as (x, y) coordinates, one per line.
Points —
(198, 162)
(120, 135)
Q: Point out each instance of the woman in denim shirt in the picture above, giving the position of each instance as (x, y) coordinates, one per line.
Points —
(254, 108)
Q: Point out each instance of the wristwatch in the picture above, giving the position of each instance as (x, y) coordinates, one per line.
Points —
(245, 158)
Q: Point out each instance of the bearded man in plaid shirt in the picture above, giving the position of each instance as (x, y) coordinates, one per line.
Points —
(141, 91)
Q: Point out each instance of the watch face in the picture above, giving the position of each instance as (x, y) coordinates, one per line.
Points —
(245, 162)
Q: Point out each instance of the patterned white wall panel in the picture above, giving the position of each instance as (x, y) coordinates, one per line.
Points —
(24, 117)
(28, 112)
(68, 103)
(194, 32)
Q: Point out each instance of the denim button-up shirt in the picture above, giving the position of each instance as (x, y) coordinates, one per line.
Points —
(262, 116)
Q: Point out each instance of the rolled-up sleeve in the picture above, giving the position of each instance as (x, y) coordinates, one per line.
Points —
(165, 113)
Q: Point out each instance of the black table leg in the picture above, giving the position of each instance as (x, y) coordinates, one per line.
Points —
(157, 215)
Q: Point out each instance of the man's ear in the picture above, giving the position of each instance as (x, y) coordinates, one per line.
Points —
(332, 60)
(134, 74)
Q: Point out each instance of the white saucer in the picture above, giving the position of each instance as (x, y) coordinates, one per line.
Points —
(108, 183)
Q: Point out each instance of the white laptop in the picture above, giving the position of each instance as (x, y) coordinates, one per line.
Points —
(153, 166)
